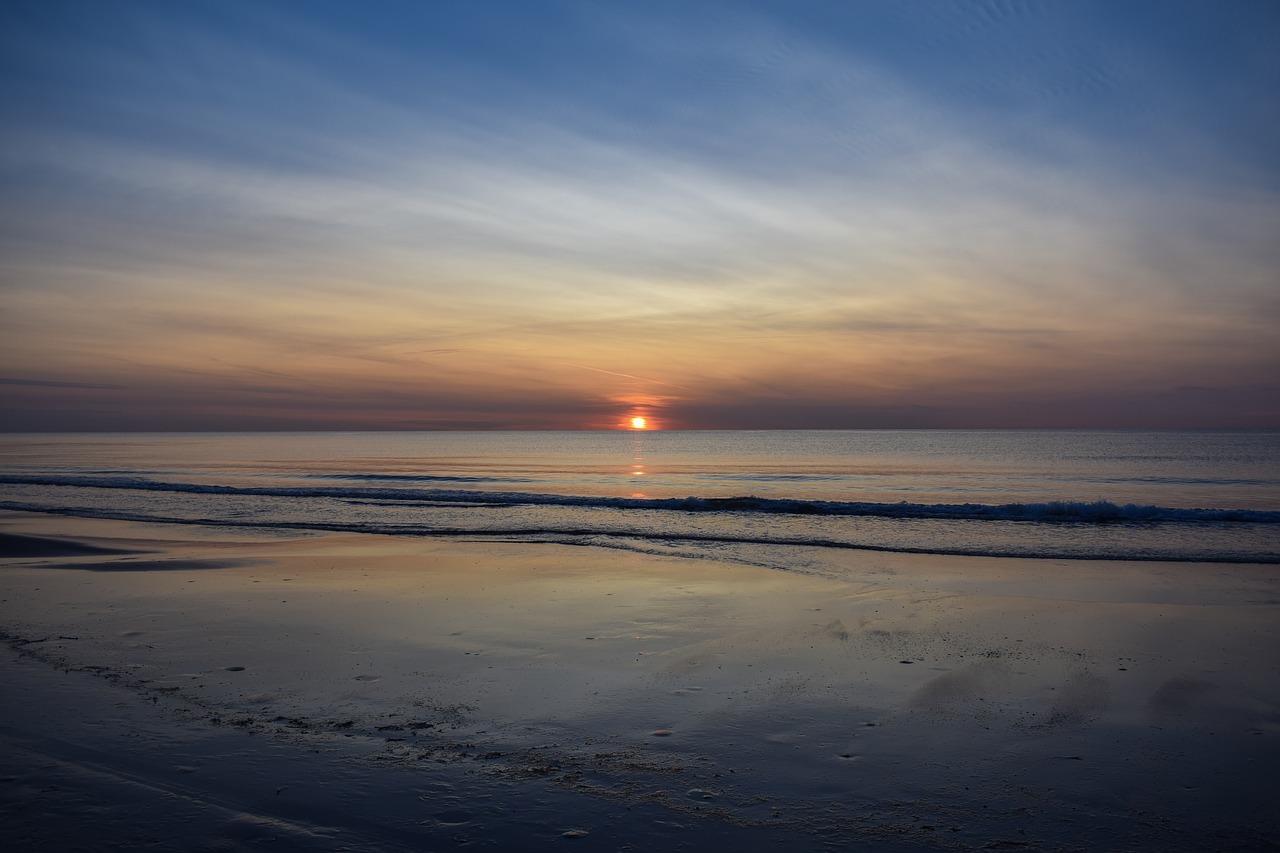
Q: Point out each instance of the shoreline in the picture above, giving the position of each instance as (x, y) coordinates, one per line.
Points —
(920, 703)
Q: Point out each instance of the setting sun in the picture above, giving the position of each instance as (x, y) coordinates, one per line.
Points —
(638, 423)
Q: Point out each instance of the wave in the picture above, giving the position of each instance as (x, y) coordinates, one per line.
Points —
(1061, 511)
(642, 541)
(418, 478)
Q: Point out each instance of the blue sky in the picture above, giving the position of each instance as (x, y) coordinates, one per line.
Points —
(540, 214)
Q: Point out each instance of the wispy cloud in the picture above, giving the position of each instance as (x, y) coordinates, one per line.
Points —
(790, 204)
(53, 383)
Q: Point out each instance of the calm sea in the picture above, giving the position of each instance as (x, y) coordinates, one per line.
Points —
(1199, 496)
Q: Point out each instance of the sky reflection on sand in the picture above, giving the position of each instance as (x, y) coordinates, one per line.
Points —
(789, 700)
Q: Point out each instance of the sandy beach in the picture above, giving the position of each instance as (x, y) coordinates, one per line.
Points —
(181, 688)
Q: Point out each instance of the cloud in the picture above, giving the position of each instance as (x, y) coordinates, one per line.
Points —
(809, 200)
(53, 383)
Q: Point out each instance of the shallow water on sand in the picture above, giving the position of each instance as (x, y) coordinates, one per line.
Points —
(915, 702)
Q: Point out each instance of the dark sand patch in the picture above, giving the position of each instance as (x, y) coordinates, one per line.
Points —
(15, 545)
(155, 565)
(1083, 696)
(1200, 703)
(973, 683)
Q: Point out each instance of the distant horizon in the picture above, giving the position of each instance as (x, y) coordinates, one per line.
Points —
(634, 431)
(311, 215)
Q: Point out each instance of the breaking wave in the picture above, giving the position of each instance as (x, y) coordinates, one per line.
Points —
(1100, 512)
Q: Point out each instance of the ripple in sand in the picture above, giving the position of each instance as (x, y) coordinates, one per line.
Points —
(662, 732)
(234, 668)
(367, 678)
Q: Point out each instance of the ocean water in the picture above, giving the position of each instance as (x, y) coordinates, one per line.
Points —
(788, 499)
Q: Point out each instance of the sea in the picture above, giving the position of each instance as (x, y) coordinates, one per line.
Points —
(799, 500)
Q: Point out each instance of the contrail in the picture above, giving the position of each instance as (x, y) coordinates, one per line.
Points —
(624, 375)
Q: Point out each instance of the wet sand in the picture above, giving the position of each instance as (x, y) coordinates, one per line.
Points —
(201, 689)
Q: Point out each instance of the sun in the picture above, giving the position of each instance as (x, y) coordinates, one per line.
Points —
(639, 423)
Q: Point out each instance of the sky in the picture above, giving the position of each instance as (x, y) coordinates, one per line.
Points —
(535, 214)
